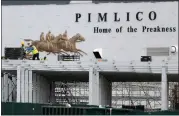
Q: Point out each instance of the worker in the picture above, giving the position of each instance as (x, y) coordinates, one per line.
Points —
(34, 51)
(23, 50)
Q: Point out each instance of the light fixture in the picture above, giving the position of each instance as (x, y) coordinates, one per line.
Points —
(98, 53)
(174, 49)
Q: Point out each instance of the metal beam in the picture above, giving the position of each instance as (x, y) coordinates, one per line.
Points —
(138, 67)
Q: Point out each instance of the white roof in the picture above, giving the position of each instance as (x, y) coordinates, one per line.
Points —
(109, 66)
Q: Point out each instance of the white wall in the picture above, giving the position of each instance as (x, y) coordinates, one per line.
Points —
(29, 21)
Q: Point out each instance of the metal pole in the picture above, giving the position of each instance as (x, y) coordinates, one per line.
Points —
(18, 97)
(164, 88)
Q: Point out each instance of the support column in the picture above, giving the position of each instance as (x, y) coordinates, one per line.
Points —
(93, 87)
(100, 90)
(30, 92)
(41, 89)
(26, 86)
(18, 84)
(22, 83)
(164, 88)
(34, 90)
(38, 88)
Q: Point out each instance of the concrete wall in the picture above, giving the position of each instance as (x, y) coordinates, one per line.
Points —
(29, 21)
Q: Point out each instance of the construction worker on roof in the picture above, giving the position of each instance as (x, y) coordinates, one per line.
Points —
(34, 51)
(23, 50)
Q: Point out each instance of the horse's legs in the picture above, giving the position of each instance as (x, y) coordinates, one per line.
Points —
(60, 51)
(75, 51)
(63, 52)
(54, 54)
(81, 51)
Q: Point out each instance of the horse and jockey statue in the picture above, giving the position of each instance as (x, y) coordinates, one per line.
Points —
(59, 44)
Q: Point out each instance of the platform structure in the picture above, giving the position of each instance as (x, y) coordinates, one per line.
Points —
(109, 66)
(35, 80)
(123, 93)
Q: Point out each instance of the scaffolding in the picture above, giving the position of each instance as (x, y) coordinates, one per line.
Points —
(9, 85)
(175, 95)
(123, 93)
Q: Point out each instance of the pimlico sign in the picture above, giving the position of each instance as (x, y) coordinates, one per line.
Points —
(138, 16)
(103, 17)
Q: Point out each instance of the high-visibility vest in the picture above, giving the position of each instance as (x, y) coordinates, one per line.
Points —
(35, 51)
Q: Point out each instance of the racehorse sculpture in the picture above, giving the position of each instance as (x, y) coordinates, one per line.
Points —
(60, 45)
(71, 44)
